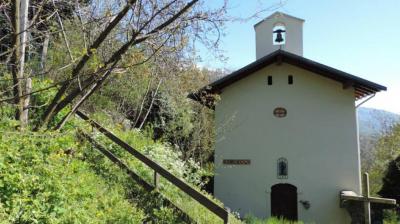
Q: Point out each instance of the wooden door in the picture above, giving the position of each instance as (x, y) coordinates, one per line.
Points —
(284, 201)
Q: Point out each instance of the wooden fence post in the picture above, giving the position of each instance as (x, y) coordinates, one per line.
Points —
(156, 179)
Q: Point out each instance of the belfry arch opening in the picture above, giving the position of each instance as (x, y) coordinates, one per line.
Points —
(279, 34)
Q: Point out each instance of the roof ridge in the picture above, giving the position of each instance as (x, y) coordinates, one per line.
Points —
(280, 13)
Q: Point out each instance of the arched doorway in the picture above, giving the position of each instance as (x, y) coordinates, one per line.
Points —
(284, 201)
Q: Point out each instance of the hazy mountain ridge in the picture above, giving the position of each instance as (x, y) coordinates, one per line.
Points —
(373, 122)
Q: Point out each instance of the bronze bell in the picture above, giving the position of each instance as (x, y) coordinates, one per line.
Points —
(279, 37)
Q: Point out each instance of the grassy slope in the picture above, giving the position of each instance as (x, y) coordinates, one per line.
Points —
(43, 179)
(59, 178)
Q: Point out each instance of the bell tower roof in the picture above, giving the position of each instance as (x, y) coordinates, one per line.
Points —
(277, 14)
(279, 31)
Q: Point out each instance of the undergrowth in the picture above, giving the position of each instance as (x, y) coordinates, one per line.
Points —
(250, 219)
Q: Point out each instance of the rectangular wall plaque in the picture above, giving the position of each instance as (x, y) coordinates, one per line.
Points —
(236, 161)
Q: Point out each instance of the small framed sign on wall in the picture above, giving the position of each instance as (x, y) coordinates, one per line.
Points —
(236, 162)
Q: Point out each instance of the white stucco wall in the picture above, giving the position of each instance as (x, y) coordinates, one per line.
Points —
(318, 137)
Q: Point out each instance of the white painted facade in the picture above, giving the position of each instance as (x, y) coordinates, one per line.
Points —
(318, 137)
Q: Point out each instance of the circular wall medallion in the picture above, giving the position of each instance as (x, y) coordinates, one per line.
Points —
(280, 112)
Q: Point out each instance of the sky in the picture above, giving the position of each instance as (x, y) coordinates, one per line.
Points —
(360, 37)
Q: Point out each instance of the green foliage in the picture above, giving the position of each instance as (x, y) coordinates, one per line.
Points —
(250, 219)
(6, 108)
(43, 181)
(387, 149)
(186, 125)
(390, 217)
(391, 182)
(384, 171)
(165, 215)
(41, 99)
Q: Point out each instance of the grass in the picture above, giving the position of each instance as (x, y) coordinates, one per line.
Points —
(43, 179)
(250, 219)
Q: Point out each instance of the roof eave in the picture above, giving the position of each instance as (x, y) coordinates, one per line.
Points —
(362, 85)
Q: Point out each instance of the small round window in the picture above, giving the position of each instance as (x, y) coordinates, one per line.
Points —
(280, 112)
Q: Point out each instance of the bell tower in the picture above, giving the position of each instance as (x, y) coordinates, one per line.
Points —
(279, 31)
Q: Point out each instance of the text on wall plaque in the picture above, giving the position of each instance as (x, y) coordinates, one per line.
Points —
(236, 162)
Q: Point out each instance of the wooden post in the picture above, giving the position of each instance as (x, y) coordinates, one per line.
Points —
(156, 179)
(367, 204)
(226, 219)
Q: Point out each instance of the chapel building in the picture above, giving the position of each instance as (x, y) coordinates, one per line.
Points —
(287, 136)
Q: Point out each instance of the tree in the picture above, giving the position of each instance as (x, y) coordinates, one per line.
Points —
(387, 149)
(149, 26)
(391, 182)
(165, 20)
(23, 23)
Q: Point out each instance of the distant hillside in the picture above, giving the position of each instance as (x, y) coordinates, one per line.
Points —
(373, 122)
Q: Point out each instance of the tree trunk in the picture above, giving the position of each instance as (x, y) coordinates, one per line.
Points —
(20, 17)
(17, 87)
(91, 90)
(43, 55)
(26, 82)
(153, 97)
